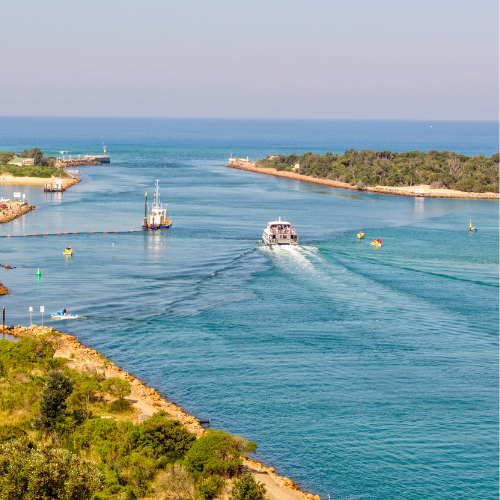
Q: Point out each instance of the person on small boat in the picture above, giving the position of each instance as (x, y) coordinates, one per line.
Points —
(64, 312)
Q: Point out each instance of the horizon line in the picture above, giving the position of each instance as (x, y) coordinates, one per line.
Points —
(244, 118)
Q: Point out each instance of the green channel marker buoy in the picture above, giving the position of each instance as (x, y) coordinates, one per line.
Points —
(39, 273)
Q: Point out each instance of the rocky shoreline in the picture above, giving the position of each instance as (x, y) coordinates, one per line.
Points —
(148, 401)
(251, 167)
(17, 210)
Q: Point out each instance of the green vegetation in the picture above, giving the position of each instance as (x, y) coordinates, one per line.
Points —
(369, 168)
(57, 445)
(43, 166)
(247, 488)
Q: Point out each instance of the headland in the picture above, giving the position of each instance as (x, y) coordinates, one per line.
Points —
(146, 401)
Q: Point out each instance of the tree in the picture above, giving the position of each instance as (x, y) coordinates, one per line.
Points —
(86, 388)
(116, 387)
(247, 488)
(53, 402)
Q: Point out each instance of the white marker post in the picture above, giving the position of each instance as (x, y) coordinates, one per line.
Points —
(31, 317)
(42, 310)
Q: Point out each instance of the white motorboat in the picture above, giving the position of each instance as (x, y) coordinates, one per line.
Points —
(280, 232)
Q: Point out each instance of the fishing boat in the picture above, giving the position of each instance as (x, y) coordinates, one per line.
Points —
(157, 217)
(377, 242)
(68, 251)
(361, 235)
(280, 232)
(63, 315)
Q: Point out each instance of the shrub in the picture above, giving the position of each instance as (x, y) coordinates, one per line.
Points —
(116, 387)
(209, 487)
(30, 472)
(121, 406)
(247, 488)
(217, 453)
(10, 431)
(165, 436)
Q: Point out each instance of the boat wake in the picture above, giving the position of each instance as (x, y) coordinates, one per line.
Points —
(298, 257)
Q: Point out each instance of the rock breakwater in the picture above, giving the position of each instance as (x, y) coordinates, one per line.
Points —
(147, 400)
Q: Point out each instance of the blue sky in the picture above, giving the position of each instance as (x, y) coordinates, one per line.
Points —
(357, 59)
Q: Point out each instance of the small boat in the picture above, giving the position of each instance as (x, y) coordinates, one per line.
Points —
(63, 315)
(361, 235)
(377, 242)
(472, 229)
(280, 232)
(68, 251)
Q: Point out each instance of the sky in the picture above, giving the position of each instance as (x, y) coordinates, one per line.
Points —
(326, 59)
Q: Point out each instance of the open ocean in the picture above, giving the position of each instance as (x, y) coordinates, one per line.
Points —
(361, 373)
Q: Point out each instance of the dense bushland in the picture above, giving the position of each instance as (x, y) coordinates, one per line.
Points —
(55, 443)
(370, 168)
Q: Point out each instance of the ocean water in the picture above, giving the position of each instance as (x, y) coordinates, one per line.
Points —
(361, 373)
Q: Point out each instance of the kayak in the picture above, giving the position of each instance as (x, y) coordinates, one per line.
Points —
(61, 315)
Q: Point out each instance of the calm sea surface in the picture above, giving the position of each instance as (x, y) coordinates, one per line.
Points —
(361, 373)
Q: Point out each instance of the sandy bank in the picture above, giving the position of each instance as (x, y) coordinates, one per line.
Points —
(147, 401)
(36, 181)
(15, 209)
(400, 191)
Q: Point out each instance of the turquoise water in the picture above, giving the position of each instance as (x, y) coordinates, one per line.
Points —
(361, 373)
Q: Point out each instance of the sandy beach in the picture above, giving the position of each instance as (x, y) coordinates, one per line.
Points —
(400, 191)
(147, 401)
(36, 181)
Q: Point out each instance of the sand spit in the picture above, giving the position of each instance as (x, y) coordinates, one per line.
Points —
(400, 191)
(147, 401)
(16, 210)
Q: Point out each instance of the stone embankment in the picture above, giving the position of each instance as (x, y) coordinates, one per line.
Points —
(242, 164)
(148, 400)
(14, 210)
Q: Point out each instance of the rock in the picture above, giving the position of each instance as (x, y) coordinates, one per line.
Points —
(144, 416)
(316, 497)
(310, 496)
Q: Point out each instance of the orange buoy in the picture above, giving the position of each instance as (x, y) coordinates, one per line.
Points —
(34, 235)
(45, 234)
(104, 231)
(58, 233)
(65, 233)
(25, 235)
(91, 232)
(131, 230)
(117, 231)
(139, 230)
(8, 236)
(74, 233)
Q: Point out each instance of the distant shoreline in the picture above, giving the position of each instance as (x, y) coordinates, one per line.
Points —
(393, 190)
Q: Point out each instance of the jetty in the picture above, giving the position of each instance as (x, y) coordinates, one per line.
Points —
(83, 160)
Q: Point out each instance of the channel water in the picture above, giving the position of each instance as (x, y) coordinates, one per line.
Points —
(362, 373)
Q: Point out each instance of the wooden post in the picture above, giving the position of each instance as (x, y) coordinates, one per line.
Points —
(3, 317)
